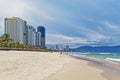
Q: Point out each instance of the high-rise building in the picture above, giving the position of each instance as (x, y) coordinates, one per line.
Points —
(41, 29)
(31, 34)
(38, 39)
(17, 29)
(34, 37)
(24, 33)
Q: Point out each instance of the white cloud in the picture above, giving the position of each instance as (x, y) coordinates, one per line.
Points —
(97, 37)
(62, 39)
(47, 13)
(112, 26)
(9, 9)
(12, 8)
(113, 30)
(44, 15)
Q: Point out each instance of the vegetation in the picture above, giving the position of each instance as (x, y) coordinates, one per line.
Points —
(7, 43)
(0, 41)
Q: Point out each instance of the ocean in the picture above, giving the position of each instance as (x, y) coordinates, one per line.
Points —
(113, 57)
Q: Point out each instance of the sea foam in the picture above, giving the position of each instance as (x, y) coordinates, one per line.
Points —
(105, 53)
(113, 59)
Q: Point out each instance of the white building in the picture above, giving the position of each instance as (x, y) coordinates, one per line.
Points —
(38, 39)
(17, 29)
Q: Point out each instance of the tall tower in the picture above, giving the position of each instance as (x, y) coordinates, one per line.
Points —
(17, 29)
(41, 29)
(31, 35)
(38, 39)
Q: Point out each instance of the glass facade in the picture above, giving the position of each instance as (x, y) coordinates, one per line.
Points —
(41, 29)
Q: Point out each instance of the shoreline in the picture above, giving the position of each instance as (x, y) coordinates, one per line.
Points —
(77, 70)
(111, 70)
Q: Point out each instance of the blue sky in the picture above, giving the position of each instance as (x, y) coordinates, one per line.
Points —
(87, 22)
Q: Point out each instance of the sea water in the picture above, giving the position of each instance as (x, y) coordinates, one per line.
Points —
(115, 57)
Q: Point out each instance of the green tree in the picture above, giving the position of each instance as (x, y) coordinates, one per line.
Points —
(4, 44)
(6, 37)
(11, 45)
(29, 46)
(0, 40)
(6, 40)
(21, 46)
(17, 45)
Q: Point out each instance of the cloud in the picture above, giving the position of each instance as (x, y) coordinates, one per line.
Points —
(73, 41)
(113, 31)
(12, 8)
(9, 9)
(44, 15)
(46, 12)
(97, 37)
(63, 39)
(111, 26)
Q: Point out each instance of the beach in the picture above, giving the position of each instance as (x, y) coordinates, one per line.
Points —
(26, 65)
(77, 70)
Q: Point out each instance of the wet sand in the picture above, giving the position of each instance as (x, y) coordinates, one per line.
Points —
(111, 70)
(77, 69)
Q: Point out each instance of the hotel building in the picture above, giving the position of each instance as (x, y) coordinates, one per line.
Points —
(17, 29)
(30, 34)
(41, 29)
(38, 39)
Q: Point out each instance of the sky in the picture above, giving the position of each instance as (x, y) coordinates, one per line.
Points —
(83, 22)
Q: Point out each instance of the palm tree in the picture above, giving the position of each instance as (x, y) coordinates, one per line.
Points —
(4, 44)
(7, 40)
(21, 46)
(17, 44)
(0, 40)
(29, 46)
(14, 45)
(6, 37)
(11, 45)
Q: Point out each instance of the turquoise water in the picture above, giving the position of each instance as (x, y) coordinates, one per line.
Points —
(106, 56)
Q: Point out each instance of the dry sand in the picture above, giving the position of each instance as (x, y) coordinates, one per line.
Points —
(77, 70)
(25, 65)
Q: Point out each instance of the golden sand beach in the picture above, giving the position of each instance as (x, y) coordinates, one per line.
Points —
(25, 65)
(77, 70)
